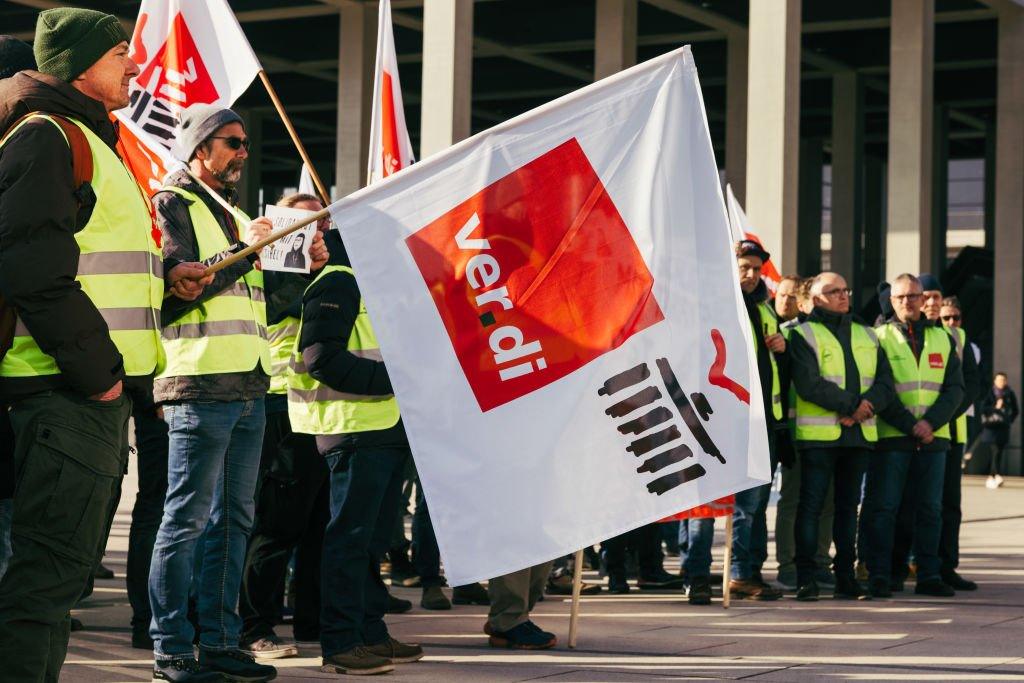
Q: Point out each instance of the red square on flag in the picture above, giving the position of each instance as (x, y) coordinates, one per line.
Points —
(935, 360)
(535, 276)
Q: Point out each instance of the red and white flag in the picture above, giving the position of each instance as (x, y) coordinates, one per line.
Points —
(189, 53)
(739, 226)
(557, 304)
(390, 147)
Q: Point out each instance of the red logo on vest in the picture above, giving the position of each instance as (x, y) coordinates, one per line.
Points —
(177, 72)
(935, 361)
(535, 276)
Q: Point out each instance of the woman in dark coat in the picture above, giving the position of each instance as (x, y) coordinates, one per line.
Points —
(999, 409)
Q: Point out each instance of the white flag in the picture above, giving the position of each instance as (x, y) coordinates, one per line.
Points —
(306, 184)
(390, 147)
(557, 303)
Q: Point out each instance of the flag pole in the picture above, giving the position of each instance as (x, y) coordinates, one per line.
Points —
(325, 196)
(727, 570)
(577, 587)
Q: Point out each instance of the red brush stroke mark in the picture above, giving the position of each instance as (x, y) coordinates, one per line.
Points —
(139, 54)
(716, 375)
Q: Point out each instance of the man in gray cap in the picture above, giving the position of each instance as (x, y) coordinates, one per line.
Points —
(212, 391)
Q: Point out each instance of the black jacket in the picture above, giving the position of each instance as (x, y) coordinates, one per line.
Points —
(39, 216)
(329, 310)
(764, 365)
(942, 412)
(1005, 415)
(811, 386)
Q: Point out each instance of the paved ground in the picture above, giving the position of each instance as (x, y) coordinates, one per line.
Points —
(644, 636)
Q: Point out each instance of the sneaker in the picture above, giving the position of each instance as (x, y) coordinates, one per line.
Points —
(435, 599)
(935, 588)
(270, 647)
(525, 636)
(236, 665)
(990, 483)
(957, 582)
(699, 592)
(560, 583)
(397, 605)
(808, 592)
(397, 651)
(824, 577)
(879, 588)
(847, 588)
(184, 670)
(357, 661)
(787, 579)
(470, 594)
(661, 580)
(999, 480)
(618, 585)
(748, 588)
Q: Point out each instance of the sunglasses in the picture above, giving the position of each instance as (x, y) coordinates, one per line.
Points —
(235, 143)
(954, 318)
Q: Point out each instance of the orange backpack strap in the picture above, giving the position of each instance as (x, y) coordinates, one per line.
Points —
(81, 151)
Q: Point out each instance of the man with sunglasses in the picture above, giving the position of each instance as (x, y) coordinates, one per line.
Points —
(913, 437)
(212, 392)
(842, 379)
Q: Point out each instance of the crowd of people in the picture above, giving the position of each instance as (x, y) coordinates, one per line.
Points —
(273, 465)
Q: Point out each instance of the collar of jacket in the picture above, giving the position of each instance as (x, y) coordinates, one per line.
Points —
(820, 315)
(29, 91)
(919, 325)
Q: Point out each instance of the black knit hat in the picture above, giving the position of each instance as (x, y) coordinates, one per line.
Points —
(15, 56)
(751, 248)
(68, 40)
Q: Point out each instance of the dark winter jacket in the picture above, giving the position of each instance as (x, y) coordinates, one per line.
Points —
(180, 246)
(329, 310)
(973, 387)
(39, 216)
(999, 418)
(811, 386)
(942, 412)
(764, 366)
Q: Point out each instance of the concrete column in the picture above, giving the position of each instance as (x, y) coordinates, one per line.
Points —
(357, 54)
(773, 126)
(812, 157)
(1008, 312)
(936, 253)
(912, 62)
(736, 115)
(990, 185)
(873, 269)
(614, 37)
(847, 176)
(252, 174)
(447, 74)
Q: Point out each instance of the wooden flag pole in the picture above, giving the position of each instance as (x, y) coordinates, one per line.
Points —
(577, 586)
(727, 570)
(325, 196)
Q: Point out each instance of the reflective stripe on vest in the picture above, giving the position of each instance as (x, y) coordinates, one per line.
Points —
(918, 384)
(228, 332)
(120, 269)
(281, 336)
(770, 326)
(960, 342)
(314, 408)
(815, 423)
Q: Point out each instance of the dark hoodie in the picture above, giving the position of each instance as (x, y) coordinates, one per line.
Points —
(805, 374)
(39, 216)
(941, 412)
(329, 310)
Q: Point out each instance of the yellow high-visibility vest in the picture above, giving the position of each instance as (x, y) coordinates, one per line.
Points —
(918, 381)
(314, 408)
(814, 423)
(959, 342)
(282, 337)
(120, 269)
(771, 325)
(228, 332)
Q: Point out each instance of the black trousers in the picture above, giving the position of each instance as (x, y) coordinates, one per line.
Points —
(292, 510)
(151, 447)
(646, 541)
(949, 540)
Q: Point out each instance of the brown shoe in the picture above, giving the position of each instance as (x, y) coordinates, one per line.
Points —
(747, 588)
(397, 651)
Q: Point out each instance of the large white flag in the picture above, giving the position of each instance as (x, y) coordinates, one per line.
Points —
(390, 147)
(188, 52)
(556, 301)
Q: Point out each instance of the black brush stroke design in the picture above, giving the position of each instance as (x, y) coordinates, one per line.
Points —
(637, 400)
(646, 421)
(678, 478)
(655, 440)
(665, 458)
(687, 412)
(626, 378)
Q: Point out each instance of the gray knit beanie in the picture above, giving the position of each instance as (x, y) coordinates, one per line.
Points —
(199, 122)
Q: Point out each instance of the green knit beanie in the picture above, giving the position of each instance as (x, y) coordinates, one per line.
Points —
(68, 41)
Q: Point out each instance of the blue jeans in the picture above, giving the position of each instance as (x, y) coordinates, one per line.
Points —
(819, 467)
(6, 511)
(695, 539)
(750, 532)
(366, 485)
(888, 472)
(213, 466)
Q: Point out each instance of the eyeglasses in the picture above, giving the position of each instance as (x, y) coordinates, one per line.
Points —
(906, 297)
(838, 291)
(235, 143)
(947, 318)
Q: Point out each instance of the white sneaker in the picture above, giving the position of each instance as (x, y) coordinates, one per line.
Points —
(999, 480)
(990, 483)
(271, 648)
